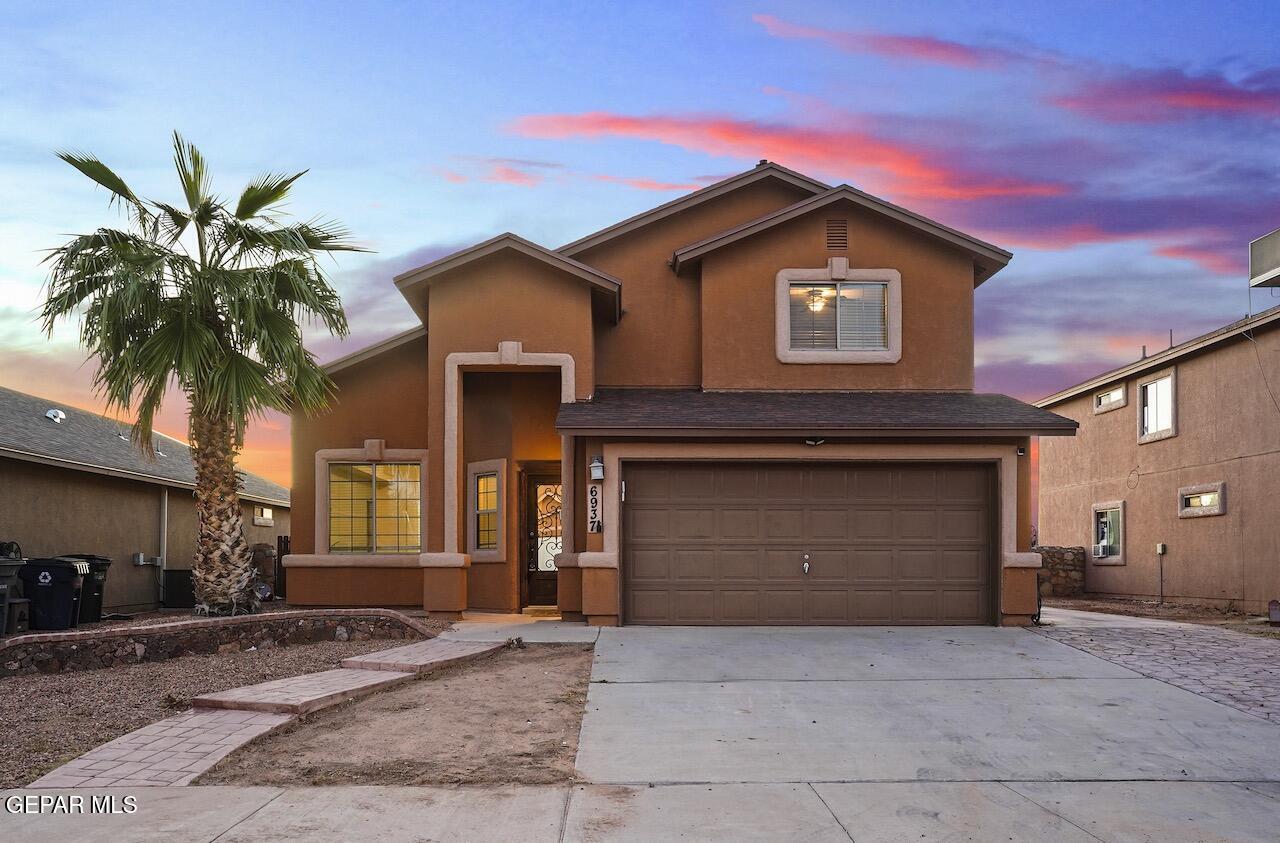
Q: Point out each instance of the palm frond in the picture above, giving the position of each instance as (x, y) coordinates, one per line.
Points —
(263, 192)
(192, 172)
(101, 174)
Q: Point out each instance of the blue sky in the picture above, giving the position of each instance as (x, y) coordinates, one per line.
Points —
(1124, 152)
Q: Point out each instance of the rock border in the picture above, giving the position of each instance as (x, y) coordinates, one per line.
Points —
(56, 652)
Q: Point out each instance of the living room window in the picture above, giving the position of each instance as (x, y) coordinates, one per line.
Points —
(1110, 399)
(486, 504)
(839, 315)
(375, 507)
(1108, 533)
(1156, 408)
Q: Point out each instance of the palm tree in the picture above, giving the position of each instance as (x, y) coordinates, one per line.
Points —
(208, 297)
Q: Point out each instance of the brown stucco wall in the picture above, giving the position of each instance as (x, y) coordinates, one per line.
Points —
(738, 284)
(658, 342)
(52, 510)
(1228, 429)
(381, 398)
(505, 297)
(511, 416)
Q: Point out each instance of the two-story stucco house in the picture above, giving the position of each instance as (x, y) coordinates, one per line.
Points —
(1173, 484)
(751, 405)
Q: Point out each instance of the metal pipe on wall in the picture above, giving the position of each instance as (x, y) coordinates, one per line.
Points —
(164, 540)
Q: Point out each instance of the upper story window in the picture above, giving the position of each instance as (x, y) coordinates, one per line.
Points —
(1110, 399)
(263, 517)
(850, 316)
(1156, 409)
(375, 507)
(839, 315)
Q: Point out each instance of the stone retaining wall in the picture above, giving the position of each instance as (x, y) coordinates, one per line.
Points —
(1062, 571)
(54, 652)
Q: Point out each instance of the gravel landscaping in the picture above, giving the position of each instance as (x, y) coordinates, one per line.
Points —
(54, 718)
(509, 718)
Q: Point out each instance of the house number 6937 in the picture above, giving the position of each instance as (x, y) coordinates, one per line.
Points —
(594, 523)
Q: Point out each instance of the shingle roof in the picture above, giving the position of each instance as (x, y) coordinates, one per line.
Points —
(90, 442)
(819, 413)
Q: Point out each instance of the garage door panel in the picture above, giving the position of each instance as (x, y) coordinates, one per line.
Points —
(887, 543)
(739, 564)
(739, 524)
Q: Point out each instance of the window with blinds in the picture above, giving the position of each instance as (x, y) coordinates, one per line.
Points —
(839, 317)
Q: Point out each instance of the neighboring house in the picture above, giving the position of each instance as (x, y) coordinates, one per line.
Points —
(751, 405)
(1179, 451)
(72, 482)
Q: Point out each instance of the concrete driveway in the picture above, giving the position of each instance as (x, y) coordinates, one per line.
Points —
(906, 732)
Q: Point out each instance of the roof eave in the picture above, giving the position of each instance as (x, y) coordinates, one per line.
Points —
(371, 351)
(821, 433)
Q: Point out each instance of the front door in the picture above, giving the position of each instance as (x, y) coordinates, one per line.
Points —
(543, 498)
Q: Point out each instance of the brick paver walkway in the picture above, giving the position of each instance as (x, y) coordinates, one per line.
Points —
(422, 656)
(170, 752)
(301, 694)
(175, 750)
(1233, 668)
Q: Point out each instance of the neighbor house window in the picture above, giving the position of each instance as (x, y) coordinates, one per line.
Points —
(263, 517)
(839, 315)
(375, 507)
(1156, 408)
(486, 505)
(1110, 399)
(1108, 533)
(1199, 501)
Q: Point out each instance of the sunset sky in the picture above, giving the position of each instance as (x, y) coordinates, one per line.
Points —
(1126, 153)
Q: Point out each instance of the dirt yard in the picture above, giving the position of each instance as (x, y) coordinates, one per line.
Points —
(510, 718)
(50, 719)
(1227, 618)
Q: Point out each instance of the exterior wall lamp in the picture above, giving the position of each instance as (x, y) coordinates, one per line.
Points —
(597, 467)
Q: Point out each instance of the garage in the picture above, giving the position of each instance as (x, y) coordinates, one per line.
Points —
(808, 543)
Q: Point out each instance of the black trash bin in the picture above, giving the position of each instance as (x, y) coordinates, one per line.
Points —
(95, 582)
(53, 587)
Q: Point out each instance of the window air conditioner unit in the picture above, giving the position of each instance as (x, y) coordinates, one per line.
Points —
(1100, 551)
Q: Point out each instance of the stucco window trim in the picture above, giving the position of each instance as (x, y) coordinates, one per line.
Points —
(1122, 401)
(836, 270)
(1118, 559)
(374, 451)
(1220, 508)
(263, 520)
(1155, 436)
(474, 470)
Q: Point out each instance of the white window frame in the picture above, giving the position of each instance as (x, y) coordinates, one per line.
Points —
(1219, 508)
(263, 516)
(837, 270)
(1114, 404)
(1157, 435)
(474, 470)
(1118, 557)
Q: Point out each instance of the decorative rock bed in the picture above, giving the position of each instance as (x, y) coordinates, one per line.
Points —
(54, 652)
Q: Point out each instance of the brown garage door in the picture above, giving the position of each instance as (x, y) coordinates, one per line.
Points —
(726, 543)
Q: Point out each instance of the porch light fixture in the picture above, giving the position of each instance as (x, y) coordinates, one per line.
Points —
(597, 468)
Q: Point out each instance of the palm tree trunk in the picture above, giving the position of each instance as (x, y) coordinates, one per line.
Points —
(222, 571)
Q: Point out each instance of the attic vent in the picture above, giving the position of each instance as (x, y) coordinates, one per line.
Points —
(56, 416)
(837, 235)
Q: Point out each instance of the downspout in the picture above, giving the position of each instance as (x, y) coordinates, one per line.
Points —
(164, 540)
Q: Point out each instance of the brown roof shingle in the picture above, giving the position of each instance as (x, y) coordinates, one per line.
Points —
(823, 413)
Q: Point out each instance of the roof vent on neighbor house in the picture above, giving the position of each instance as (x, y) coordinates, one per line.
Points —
(55, 415)
(837, 235)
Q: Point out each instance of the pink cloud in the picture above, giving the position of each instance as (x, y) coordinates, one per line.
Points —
(452, 176)
(504, 174)
(908, 171)
(648, 184)
(1157, 96)
(921, 48)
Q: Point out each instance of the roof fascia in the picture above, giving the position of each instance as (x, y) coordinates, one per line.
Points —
(371, 351)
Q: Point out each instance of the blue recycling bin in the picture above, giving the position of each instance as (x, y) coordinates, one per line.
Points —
(53, 587)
